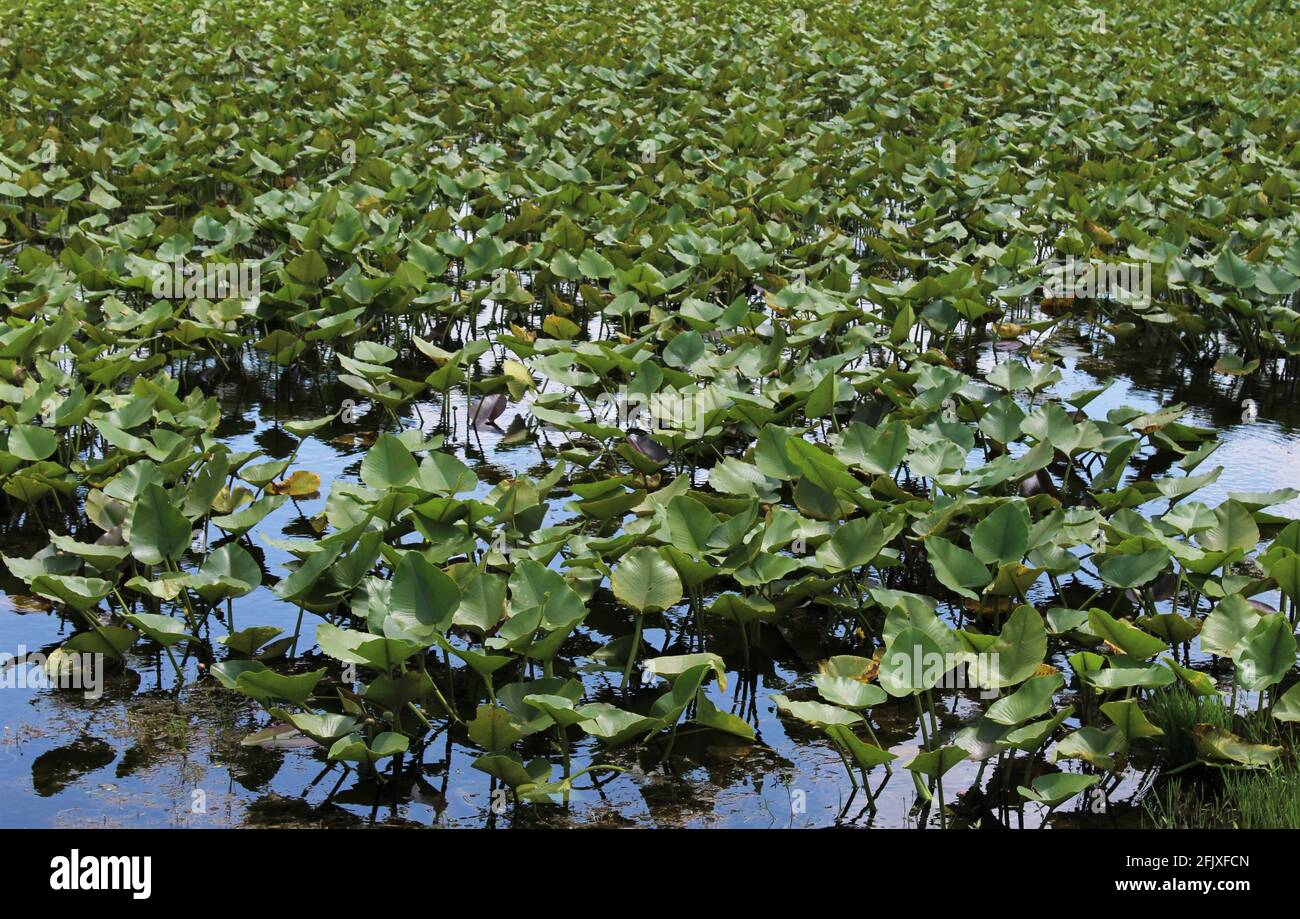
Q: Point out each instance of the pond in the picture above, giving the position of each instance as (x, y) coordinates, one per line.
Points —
(148, 754)
(867, 415)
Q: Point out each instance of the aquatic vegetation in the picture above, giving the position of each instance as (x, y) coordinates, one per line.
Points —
(1257, 799)
(774, 307)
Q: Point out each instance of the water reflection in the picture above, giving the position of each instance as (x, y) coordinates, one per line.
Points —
(148, 754)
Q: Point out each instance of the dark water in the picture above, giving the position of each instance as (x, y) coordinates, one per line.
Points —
(148, 755)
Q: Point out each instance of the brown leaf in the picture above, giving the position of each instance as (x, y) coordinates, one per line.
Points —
(25, 604)
(361, 439)
(990, 606)
(302, 484)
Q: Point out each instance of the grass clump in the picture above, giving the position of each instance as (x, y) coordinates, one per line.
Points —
(1240, 799)
(1218, 798)
(1175, 710)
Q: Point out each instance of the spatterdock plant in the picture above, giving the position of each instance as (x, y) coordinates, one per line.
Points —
(645, 582)
(802, 320)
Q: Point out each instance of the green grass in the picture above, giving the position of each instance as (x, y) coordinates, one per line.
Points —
(1210, 798)
(1174, 710)
(1242, 800)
